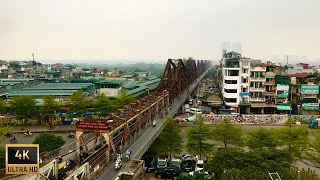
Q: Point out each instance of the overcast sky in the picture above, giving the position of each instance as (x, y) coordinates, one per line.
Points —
(157, 29)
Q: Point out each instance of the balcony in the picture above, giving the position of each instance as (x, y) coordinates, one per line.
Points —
(244, 103)
(263, 79)
(257, 99)
(270, 93)
(258, 69)
(270, 83)
(271, 74)
(260, 89)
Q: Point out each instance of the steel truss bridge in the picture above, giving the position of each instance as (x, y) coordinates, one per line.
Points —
(130, 125)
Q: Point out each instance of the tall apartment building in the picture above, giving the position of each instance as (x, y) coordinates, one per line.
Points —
(282, 94)
(235, 79)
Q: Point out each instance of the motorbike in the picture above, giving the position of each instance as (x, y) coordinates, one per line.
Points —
(154, 123)
(118, 164)
(127, 157)
(8, 135)
(13, 140)
(71, 135)
(26, 134)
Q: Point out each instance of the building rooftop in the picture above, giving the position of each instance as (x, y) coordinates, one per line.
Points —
(149, 82)
(299, 75)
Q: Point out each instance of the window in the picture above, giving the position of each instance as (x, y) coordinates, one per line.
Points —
(244, 80)
(257, 94)
(256, 84)
(245, 70)
(245, 63)
(230, 81)
(244, 90)
(230, 90)
(232, 72)
(231, 100)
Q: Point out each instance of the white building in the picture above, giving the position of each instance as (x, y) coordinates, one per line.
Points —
(301, 68)
(235, 75)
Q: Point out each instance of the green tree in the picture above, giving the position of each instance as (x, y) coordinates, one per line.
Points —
(198, 137)
(50, 105)
(293, 138)
(123, 99)
(2, 106)
(48, 142)
(248, 165)
(14, 64)
(312, 154)
(78, 103)
(227, 133)
(23, 106)
(2, 150)
(262, 138)
(170, 139)
(102, 104)
(195, 176)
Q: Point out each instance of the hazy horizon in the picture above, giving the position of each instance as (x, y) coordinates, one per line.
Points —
(80, 31)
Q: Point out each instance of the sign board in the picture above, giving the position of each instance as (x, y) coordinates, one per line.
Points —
(282, 87)
(244, 93)
(92, 126)
(309, 89)
(22, 158)
(311, 104)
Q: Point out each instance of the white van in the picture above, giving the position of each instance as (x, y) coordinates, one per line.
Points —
(195, 111)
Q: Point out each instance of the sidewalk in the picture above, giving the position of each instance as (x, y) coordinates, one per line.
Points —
(43, 128)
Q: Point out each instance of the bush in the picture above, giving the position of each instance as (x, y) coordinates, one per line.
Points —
(48, 142)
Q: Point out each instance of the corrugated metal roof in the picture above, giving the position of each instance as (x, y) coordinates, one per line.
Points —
(136, 90)
(149, 82)
(129, 83)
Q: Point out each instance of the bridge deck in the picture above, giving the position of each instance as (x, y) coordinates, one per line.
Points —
(140, 146)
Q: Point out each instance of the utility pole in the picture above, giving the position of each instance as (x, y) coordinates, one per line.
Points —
(33, 56)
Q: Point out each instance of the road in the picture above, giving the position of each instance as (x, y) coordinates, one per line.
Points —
(146, 139)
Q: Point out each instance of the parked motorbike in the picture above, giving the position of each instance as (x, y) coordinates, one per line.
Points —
(71, 135)
(154, 123)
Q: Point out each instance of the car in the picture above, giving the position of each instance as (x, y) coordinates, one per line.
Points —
(187, 163)
(160, 168)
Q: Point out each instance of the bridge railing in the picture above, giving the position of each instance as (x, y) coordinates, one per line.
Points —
(69, 147)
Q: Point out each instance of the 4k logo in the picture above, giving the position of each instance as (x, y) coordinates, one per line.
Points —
(22, 159)
(23, 156)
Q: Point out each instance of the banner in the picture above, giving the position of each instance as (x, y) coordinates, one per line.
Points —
(91, 126)
(309, 89)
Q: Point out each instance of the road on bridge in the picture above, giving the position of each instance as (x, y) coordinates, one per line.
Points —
(140, 146)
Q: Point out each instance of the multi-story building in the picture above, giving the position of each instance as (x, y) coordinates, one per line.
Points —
(282, 94)
(257, 88)
(309, 103)
(231, 69)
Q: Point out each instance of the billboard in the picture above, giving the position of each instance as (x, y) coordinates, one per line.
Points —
(92, 126)
(309, 89)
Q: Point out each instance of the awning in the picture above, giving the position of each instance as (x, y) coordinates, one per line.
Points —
(259, 105)
(283, 95)
(284, 107)
(310, 108)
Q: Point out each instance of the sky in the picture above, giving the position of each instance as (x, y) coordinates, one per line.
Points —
(127, 30)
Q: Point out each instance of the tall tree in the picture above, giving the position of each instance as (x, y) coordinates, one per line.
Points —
(2, 106)
(198, 137)
(23, 106)
(312, 154)
(262, 138)
(123, 99)
(14, 64)
(293, 138)
(227, 133)
(50, 105)
(78, 103)
(2, 150)
(170, 138)
(102, 104)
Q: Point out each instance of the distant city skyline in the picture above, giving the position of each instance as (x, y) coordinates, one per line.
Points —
(81, 31)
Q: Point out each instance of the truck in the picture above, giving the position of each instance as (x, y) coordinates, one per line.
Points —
(168, 169)
(133, 171)
(160, 168)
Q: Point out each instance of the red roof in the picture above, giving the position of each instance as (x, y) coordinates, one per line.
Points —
(298, 75)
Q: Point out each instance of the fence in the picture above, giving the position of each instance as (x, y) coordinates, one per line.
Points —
(259, 119)
(69, 147)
